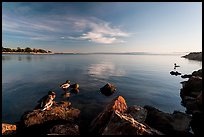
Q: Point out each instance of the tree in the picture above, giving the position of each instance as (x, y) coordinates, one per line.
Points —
(18, 49)
(35, 50)
(27, 49)
(42, 51)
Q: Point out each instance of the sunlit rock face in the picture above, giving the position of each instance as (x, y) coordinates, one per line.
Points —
(61, 116)
(116, 119)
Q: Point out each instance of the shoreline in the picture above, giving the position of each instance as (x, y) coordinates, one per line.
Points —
(32, 53)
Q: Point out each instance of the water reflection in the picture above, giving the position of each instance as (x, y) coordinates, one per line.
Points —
(27, 58)
(104, 70)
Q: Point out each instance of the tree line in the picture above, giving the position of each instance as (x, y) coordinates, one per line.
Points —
(27, 49)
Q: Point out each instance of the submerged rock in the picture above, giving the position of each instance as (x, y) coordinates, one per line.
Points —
(108, 89)
(177, 123)
(8, 129)
(66, 129)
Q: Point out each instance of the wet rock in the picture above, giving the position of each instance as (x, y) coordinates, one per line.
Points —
(67, 129)
(8, 129)
(191, 94)
(192, 87)
(137, 112)
(108, 89)
(117, 119)
(186, 76)
(197, 73)
(99, 123)
(42, 121)
(175, 73)
(177, 123)
(66, 94)
(197, 123)
(124, 124)
(194, 56)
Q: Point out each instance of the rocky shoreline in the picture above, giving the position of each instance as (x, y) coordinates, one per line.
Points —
(194, 56)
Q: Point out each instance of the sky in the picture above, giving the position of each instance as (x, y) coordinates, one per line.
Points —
(103, 26)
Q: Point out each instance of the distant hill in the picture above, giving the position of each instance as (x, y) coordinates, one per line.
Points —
(194, 56)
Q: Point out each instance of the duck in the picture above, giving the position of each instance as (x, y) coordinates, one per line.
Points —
(65, 85)
(176, 65)
(47, 101)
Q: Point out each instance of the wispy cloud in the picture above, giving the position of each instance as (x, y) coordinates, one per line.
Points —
(99, 31)
(66, 27)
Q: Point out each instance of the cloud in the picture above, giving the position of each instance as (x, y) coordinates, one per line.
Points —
(99, 31)
(65, 27)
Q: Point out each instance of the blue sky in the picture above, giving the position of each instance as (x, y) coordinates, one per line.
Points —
(103, 26)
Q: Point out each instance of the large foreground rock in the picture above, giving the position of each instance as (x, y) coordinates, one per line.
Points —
(191, 95)
(177, 123)
(99, 123)
(8, 129)
(192, 87)
(115, 120)
(41, 122)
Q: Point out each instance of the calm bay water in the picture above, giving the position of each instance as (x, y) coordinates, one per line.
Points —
(140, 79)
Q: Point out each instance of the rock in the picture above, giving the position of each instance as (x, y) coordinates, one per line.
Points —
(117, 119)
(199, 99)
(191, 105)
(192, 87)
(99, 123)
(67, 129)
(194, 56)
(8, 129)
(66, 94)
(42, 121)
(108, 89)
(186, 76)
(177, 123)
(197, 73)
(175, 73)
(191, 94)
(137, 112)
(197, 123)
(122, 124)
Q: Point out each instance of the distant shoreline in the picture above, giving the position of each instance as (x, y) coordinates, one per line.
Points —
(124, 53)
(32, 53)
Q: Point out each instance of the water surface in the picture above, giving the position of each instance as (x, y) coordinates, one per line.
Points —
(140, 79)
